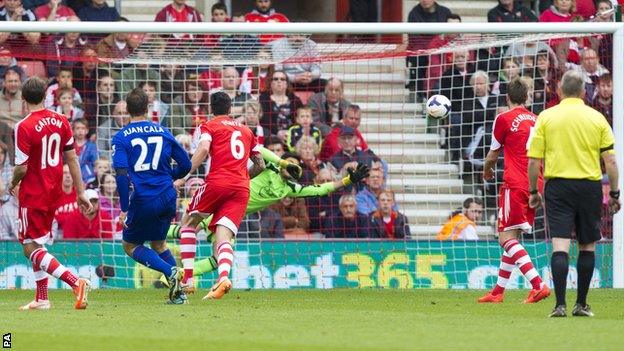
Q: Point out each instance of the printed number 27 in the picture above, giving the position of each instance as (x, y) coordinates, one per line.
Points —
(140, 164)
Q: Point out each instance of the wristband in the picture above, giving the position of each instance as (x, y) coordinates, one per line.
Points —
(533, 192)
(346, 181)
(283, 163)
(615, 194)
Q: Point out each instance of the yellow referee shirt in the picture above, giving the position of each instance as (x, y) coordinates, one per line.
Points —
(570, 138)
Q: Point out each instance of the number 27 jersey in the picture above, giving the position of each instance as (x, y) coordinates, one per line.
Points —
(231, 144)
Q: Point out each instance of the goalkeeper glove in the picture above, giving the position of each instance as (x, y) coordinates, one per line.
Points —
(360, 172)
(293, 170)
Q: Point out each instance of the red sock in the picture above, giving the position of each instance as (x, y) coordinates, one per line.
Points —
(188, 247)
(42, 259)
(41, 279)
(225, 257)
(521, 258)
(504, 271)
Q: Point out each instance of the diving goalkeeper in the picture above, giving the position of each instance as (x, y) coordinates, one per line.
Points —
(277, 181)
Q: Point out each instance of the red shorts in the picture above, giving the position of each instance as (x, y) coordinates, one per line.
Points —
(35, 225)
(226, 205)
(514, 211)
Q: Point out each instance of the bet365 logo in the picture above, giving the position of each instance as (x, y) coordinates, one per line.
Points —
(6, 341)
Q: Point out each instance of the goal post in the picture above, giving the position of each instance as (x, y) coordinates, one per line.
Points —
(426, 179)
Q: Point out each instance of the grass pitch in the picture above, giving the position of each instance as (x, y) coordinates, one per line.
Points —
(310, 320)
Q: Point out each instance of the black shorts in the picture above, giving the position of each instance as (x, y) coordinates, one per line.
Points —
(574, 203)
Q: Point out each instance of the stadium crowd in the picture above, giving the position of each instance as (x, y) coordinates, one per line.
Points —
(289, 107)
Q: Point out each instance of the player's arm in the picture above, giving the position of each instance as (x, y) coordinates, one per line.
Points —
(355, 176)
(71, 159)
(294, 170)
(22, 150)
(120, 164)
(201, 154)
(19, 172)
(490, 164)
(182, 160)
(258, 164)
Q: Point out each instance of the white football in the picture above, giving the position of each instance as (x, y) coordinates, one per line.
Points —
(438, 106)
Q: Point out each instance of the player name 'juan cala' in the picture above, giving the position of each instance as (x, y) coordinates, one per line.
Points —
(143, 129)
(46, 122)
(516, 122)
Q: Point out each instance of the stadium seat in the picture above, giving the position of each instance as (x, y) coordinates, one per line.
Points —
(33, 68)
(304, 96)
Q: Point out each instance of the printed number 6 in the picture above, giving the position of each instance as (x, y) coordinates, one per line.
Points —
(236, 145)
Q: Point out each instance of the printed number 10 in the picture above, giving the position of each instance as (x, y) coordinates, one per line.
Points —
(50, 150)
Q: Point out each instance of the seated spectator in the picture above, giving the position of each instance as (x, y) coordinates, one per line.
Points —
(563, 11)
(100, 109)
(115, 45)
(131, 74)
(264, 13)
(100, 166)
(179, 11)
(546, 79)
(230, 82)
(189, 110)
(307, 149)
(590, 69)
(303, 127)
(352, 119)
(64, 104)
(11, 106)
(109, 198)
(64, 79)
(252, 112)
(279, 105)
(86, 150)
(455, 80)
(99, 11)
(271, 225)
(294, 215)
(9, 225)
(210, 80)
(462, 225)
(510, 69)
(387, 222)
(254, 79)
(110, 127)
(329, 107)
(218, 14)
(67, 206)
(64, 51)
(510, 11)
(440, 62)
(8, 61)
(171, 82)
(85, 74)
(585, 8)
(96, 225)
(526, 51)
(349, 155)
(303, 63)
(14, 11)
(367, 198)
(237, 46)
(603, 100)
(54, 10)
(6, 172)
(321, 208)
(347, 223)
(6, 139)
(156, 110)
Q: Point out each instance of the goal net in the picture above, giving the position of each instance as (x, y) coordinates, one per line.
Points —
(365, 96)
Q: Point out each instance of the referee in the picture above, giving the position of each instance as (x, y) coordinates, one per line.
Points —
(571, 138)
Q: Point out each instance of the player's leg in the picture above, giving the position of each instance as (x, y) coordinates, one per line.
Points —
(147, 257)
(188, 248)
(41, 301)
(505, 268)
(222, 246)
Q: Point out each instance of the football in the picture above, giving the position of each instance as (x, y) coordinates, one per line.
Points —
(438, 106)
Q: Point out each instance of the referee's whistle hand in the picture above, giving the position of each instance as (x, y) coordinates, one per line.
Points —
(535, 201)
(614, 205)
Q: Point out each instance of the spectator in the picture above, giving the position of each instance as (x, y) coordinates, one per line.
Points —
(254, 79)
(585, 8)
(278, 105)
(303, 65)
(14, 11)
(109, 198)
(238, 46)
(230, 82)
(67, 206)
(64, 104)
(7, 61)
(349, 155)
(171, 82)
(367, 198)
(455, 80)
(64, 51)
(510, 11)
(156, 110)
(563, 11)
(54, 10)
(387, 222)
(510, 69)
(179, 11)
(131, 74)
(64, 79)
(6, 138)
(275, 145)
(9, 211)
(590, 69)
(294, 215)
(545, 80)
(330, 106)
(6, 172)
(271, 225)
(85, 75)
(100, 109)
(321, 208)
(347, 223)
(189, 110)
(101, 165)
(252, 112)
(463, 224)
(264, 13)
(352, 119)
(219, 14)
(210, 80)
(115, 45)
(604, 11)
(439, 62)
(303, 127)
(98, 10)
(526, 51)
(11, 107)
(86, 150)
(110, 127)
(427, 11)
(603, 100)
(95, 225)
(307, 148)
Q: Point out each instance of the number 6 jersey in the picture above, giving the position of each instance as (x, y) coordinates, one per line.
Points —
(40, 139)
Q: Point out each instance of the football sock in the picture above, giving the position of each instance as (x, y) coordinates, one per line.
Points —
(559, 267)
(204, 266)
(522, 259)
(585, 269)
(225, 257)
(167, 257)
(188, 247)
(44, 260)
(150, 259)
(41, 279)
(504, 271)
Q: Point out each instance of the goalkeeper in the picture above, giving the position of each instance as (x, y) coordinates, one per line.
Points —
(277, 181)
